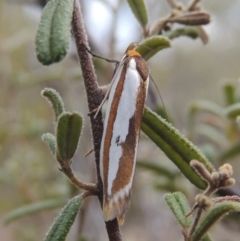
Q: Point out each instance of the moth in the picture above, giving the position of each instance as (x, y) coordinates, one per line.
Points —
(126, 100)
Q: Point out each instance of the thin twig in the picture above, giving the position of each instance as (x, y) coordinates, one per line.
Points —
(196, 221)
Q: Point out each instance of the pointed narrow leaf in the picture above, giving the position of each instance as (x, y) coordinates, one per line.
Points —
(207, 106)
(214, 215)
(180, 207)
(188, 32)
(69, 129)
(64, 221)
(165, 186)
(53, 35)
(179, 150)
(151, 46)
(232, 111)
(51, 141)
(55, 100)
(32, 208)
(159, 170)
(139, 10)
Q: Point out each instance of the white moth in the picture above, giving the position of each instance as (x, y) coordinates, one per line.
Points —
(126, 99)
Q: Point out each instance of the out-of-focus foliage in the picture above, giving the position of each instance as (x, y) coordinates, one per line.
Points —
(28, 172)
(189, 71)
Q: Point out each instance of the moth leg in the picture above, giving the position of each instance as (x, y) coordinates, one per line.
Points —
(89, 152)
(92, 111)
(100, 57)
(103, 101)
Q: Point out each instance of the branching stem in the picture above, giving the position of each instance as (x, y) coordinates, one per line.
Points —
(67, 170)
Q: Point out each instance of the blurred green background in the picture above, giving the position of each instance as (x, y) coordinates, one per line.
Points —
(185, 72)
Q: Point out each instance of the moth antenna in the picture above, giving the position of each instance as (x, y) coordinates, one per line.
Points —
(107, 93)
(160, 97)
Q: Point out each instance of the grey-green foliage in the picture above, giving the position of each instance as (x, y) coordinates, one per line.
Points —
(177, 147)
(140, 11)
(187, 31)
(152, 45)
(64, 221)
(213, 216)
(179, 206)
(55, 100)
(53, 35)
(50, 140)
(68, 131)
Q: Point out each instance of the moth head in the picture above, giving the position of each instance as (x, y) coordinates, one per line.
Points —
(131, 50)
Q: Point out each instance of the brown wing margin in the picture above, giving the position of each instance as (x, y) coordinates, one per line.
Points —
(126, 164)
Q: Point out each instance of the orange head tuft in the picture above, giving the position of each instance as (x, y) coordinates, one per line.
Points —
(131, 50)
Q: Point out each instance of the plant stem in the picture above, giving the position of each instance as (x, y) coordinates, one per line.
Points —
(195, 223)
(94, 98)
(67, 170)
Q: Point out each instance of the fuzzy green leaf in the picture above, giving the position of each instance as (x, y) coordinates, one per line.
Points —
(152, 45)
(179, 206)
(55, 100)
(232, 111)
(214, 215)
(64, 221)
(160, 110)
(139, 10)
(31, 209)
(179, 150)
(51, 141)
(53, 35)
(188, 32)
(69, 129)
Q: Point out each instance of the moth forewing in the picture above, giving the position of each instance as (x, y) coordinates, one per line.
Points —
(121, 134)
